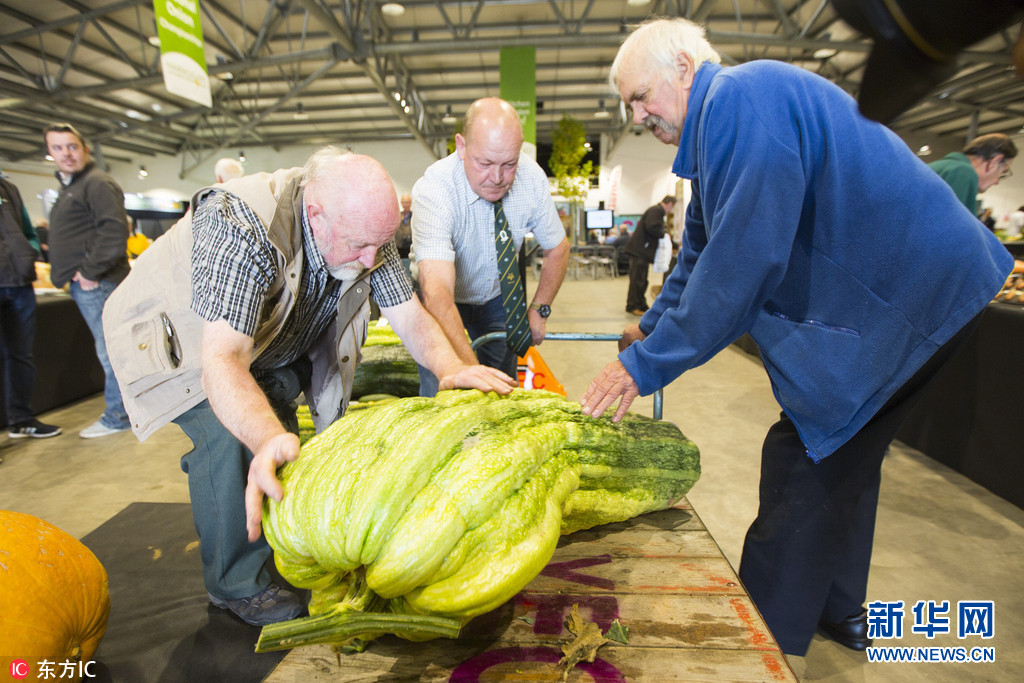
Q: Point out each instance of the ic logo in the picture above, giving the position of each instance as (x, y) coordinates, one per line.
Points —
(19, 668)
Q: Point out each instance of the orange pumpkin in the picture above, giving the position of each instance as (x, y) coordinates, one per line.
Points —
(54, 598)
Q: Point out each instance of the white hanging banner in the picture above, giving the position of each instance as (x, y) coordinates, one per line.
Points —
(182, 57)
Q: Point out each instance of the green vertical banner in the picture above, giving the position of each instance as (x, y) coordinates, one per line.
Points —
(182, 58)
(519, 87)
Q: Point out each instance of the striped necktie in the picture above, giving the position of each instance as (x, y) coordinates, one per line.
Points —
(513, 296)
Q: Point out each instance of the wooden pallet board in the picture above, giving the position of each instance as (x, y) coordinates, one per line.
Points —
(661, 575)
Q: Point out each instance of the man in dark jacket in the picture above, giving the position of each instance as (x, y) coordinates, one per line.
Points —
(89, 250)
(19, 248)
(641, 248)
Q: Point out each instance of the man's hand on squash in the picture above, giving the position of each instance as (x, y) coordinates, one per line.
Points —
(272, 453)
(477, 377)
(613, 382)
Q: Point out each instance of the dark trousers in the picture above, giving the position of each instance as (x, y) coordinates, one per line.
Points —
(479, 319)
(807, 554)
(636, 299)
(17, 332)
(217, 468)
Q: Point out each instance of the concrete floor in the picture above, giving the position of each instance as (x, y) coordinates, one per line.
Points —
(939, 536)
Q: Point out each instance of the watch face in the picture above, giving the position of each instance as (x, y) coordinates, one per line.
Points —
(544, 310)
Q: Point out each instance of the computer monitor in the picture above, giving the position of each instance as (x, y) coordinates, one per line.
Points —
(600, 219)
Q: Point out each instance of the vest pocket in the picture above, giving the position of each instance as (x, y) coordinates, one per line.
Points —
(150, 352)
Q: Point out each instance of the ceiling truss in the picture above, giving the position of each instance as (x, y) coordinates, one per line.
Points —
(308, 72)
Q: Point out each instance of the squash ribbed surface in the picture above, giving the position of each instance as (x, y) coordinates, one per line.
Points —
(447, 507)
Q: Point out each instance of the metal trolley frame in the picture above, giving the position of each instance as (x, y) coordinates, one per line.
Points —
(573, 336)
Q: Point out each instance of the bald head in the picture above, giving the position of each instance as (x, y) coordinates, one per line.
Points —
(226, 169)
(489, 116)
(350, 202)
(489, 147)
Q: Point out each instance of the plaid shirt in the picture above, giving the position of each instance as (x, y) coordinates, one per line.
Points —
(234, 265)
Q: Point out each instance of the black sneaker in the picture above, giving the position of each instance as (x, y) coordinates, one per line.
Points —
(33, 429)
(270, 605)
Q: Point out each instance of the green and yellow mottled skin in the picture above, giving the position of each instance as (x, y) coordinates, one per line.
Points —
(447, 507)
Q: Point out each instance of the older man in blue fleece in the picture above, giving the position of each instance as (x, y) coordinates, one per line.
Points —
(851, 264)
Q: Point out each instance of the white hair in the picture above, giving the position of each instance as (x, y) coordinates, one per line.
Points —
(321, 163)
(227, 169)
(658, 41)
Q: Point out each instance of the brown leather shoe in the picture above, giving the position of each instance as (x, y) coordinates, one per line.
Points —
(637, 311)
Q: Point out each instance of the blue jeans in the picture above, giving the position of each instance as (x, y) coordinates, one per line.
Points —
(91, 303)
(479, 319)
(17, 331)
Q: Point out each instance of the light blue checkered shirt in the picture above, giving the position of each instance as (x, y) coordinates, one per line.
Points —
(451, 223)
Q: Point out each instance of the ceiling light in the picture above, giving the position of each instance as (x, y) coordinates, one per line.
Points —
(601, 112)
(48, 157)
(392, 9)
(405, 108)
(448, 118)
(138, 116)
(586, 145)
(924, 151)
(154, 41)
(637, 3)
(226, 76)
(300, 113)
(241, 156)
(825, 53)
(398, 96)
(143, 172)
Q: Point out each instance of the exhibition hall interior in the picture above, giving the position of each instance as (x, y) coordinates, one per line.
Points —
(797, 259)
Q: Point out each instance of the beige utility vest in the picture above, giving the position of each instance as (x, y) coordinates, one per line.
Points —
(154, 340)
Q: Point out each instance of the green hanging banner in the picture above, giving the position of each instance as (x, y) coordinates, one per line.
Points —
(519, 86)
(182, 58)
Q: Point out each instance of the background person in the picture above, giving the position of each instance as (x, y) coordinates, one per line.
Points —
(454, 206)
(89, 250)
(19, 248)
(260, 293)
(983, 163)
(641, 248)
(797, 234)
(227, 169)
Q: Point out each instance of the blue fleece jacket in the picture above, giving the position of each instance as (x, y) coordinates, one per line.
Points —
(820, 233)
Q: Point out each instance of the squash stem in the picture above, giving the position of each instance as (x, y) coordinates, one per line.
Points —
(336, 627)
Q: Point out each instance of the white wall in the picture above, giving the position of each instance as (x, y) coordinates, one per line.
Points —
(646, 173)
(405, 161)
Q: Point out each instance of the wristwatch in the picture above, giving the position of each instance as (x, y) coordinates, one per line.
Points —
(543, 309)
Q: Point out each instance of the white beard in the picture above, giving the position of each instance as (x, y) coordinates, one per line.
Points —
(346, 272)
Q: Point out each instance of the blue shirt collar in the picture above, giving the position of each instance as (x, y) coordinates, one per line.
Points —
(685, 165)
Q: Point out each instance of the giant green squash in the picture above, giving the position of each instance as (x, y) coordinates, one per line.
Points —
(416, 515)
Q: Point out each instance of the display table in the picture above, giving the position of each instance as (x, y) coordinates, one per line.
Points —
(65, 356)
(1016, 248)
(969, 417)
(661, 575)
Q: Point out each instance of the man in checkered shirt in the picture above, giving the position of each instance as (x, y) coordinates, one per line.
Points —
(260, 293)
(453, 234)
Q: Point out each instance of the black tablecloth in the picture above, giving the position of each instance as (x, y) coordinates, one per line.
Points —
(65, 357)
(969, 417)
